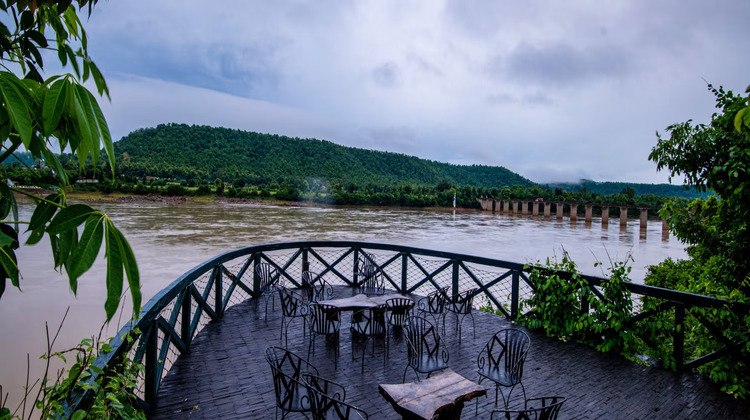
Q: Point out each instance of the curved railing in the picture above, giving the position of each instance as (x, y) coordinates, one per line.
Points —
(172, 318)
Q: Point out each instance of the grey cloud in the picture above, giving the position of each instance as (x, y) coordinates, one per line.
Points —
(561, 64)
(387, 75)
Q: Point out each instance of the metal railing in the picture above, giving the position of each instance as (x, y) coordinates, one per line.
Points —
(172, 319)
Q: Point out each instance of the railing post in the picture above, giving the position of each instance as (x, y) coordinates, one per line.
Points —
(355, 269)
(256, 279)
(185, 321)
(305, 266)
(404, 272)
(151, 379)
(218, 289)
(455, 280)
(514, 296)
(679, 335)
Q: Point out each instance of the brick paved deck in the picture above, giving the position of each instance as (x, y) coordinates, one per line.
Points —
(226, 375)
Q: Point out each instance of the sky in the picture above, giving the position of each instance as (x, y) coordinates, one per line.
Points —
(555, 91)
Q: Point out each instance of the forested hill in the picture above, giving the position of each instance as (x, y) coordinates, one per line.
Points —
(609, 188)
(206, 153)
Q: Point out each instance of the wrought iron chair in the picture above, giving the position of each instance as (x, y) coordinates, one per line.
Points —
(328, 400)
(268, 277)
(317, 287)
(433, 304)
(369, 324)
(371, 281)
(287, 369)
(399, 309)
(501, 361)
(461, 306)
(291, 308)
(544, 408)
(425, 349)
(324, 320)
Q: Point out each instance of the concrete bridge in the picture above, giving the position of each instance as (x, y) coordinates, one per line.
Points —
(540, 207)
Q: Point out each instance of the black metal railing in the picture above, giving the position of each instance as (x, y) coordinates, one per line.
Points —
(172, 318)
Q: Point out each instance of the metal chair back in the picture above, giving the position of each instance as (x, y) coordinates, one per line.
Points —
(425, 349)
(324, 320)
(287, 369)
(399, 309)
(502, 359)
(328, 400)
(544, 408)
(317, 287)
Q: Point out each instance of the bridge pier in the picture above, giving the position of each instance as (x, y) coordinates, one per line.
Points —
(573, 212)
(524, 208)
(559, 214)
(547, 209)
(506, 206)
(589, 212)
(605, 215)
(664, 230)
(623, 216)
(535, 209)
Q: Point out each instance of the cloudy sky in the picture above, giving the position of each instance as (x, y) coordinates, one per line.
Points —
(553, 90)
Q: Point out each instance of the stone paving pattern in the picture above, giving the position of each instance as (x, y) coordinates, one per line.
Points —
(225, 376)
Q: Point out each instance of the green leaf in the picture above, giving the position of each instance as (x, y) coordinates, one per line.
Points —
(18, 109)
(82, 125)
(54, 104)
(51, 159)
(69, 218)
(131, 269)
(103, 130)
(43, 212)
(114, 271)
(8, 263)
(68, 241)
(88, 247)
(738, 119)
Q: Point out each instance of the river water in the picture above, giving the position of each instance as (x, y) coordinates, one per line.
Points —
(169, 239)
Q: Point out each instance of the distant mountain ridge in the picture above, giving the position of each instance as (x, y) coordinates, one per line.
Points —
(202, 152)
(610, 188)
(189, 151)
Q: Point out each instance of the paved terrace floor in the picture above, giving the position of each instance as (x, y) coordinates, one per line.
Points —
(226, 376)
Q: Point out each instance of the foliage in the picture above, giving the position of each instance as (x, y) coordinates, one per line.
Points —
(711, 157)
(555, 305)
(40, 115)
(206, 153)
(112, 395)
(732, 374)
(564, 306)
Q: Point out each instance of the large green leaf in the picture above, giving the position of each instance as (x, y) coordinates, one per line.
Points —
(82, 125)
(103, 129)
(67, 243)
(8, 263)
(93, 125)
(69, 218)
(88, 247)
(131, 269)
(54, 105)
(114, 271)
(18, 108)
(43, 212)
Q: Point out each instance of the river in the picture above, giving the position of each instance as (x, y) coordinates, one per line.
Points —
(169, 239)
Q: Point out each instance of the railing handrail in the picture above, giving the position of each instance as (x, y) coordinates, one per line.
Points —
(148, 325)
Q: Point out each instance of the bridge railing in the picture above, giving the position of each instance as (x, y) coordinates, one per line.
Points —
(171, 320)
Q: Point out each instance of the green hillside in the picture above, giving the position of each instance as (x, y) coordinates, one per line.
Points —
(206, 153)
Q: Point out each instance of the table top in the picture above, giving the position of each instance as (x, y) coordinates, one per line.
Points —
(443, 393)
(360, 301)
